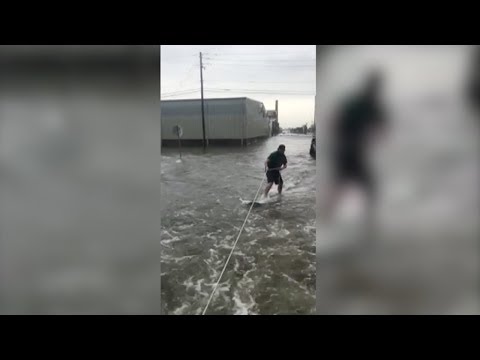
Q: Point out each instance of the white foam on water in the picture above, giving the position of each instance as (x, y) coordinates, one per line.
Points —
(249, 230)
(197, 287)
(185, 227)
(253, 242)
(189, 283)
(243, 307)
(244, 302)
(283, 233)
(222, 290)
(183, 258)
(226, 246)
(181, 310)
(214, 261)
(296, 283)
(210, 235)
(169, 241)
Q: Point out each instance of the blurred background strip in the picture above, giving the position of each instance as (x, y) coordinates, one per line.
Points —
(79, 179)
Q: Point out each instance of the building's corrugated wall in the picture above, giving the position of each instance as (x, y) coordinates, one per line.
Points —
(258, 124)
(187, 114)
(225, 119)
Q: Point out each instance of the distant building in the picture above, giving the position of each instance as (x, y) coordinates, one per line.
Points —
(273, 117)
(227, 120)
(272, 114)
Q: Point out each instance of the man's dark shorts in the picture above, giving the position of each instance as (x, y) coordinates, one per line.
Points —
(274, 176)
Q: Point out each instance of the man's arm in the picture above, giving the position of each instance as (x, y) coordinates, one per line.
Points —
(266, 162)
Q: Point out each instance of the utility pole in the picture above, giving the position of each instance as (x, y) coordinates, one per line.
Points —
(276, 108)
(203, 106)
(277, 123)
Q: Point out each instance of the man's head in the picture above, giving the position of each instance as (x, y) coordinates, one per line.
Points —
(281, 148)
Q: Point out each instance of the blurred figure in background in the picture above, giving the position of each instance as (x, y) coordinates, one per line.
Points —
(474, 85)
(359, 120)
(424, 256)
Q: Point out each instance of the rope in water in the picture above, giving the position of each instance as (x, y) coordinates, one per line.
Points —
(233, 248)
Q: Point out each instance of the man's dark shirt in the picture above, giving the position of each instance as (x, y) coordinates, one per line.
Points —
(276, 160)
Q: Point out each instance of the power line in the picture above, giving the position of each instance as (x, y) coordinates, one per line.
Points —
(256, 71)
(266, 53)
(260, 82)
(256, 59)
(241, 91)
(180, 91)
(269, 65)
(185, 78)
(261, 90)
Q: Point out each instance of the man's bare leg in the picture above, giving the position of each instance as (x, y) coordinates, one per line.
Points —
(280, 186)
(267, 189)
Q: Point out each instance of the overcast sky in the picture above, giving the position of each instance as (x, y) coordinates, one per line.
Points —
(261, 72)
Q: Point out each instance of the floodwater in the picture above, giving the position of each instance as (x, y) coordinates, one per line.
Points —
(272, 270)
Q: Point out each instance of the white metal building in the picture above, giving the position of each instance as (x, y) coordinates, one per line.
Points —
(227, 119)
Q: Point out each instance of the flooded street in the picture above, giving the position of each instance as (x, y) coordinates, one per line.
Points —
(272, 270)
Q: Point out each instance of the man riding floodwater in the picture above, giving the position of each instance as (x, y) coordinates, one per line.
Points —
(276, 162)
